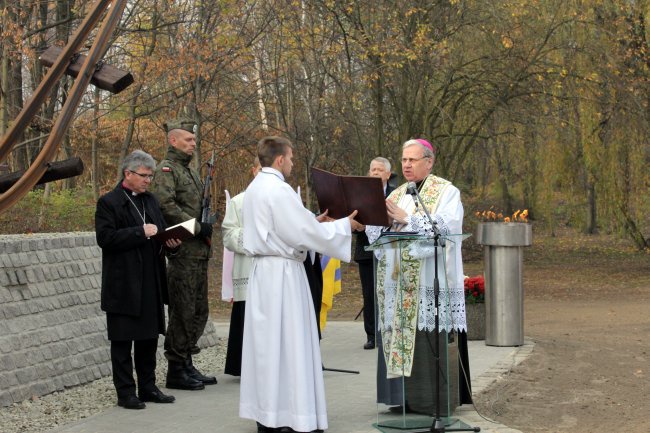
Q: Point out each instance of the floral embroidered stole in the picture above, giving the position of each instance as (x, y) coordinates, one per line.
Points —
(398, 337)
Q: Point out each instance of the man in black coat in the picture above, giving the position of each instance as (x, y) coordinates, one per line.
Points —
(379, 167)
(133, 280)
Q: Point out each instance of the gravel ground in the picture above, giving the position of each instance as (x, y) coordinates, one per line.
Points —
(60, 408)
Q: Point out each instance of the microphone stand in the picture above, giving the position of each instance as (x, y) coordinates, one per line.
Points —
(438, 426)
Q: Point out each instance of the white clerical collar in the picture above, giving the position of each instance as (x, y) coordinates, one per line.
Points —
(271, 170)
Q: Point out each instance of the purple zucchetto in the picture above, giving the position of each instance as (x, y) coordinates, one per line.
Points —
(426, 144)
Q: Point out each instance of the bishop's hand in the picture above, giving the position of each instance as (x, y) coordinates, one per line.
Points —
(150, 230)
(396, 213)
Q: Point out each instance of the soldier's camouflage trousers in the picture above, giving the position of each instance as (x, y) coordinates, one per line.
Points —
(187, 283)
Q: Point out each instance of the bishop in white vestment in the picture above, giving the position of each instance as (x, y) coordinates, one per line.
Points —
(281, 378)
(406, 311)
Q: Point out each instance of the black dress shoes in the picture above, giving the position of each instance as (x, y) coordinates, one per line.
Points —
(370, 344)
(290, 430)
(400, 409)
(263, 429)
(131, 402)
(156, 396)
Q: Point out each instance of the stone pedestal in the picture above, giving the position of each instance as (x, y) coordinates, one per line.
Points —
(475, 314)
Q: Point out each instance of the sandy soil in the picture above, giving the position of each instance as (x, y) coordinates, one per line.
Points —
(589, 370)
(587, 373)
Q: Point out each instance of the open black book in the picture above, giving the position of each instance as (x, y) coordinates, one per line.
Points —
(182, 231)
(341, 195)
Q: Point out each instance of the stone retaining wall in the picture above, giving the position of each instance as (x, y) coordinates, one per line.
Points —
(52, 330)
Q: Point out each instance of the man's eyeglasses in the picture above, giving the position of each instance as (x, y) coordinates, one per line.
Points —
(144, 176)
(412, 160)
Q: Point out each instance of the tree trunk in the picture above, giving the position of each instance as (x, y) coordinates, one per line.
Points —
(504, 171)
(592, 216)
(133, 104)
(4, 73)
(260, 93)
(379, 115)
(531, 173)
(4, 91)
(126, 143)
(632, 229)
(66, 148)
(44, 204)
(94, 172)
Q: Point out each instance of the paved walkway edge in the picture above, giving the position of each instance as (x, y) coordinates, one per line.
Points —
(468, 413)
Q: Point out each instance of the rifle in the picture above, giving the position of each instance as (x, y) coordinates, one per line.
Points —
(206, 216)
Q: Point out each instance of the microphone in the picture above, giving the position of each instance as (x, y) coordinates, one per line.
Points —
(412, 189)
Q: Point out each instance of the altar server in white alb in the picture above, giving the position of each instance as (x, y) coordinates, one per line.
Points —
(281, 377)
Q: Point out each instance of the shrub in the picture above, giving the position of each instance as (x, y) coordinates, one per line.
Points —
(62, 211)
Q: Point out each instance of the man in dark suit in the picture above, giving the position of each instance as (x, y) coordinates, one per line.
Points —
(134, 285)
(379, 167)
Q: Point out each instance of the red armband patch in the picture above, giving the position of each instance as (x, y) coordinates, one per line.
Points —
(166, 169)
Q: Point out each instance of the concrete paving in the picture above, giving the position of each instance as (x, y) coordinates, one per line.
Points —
(351, 403)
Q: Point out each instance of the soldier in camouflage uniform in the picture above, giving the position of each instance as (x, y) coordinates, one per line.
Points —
(179, 189)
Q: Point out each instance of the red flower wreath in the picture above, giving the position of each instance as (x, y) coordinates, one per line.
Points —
(474, 289)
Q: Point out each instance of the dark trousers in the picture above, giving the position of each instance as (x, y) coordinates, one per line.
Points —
(235, 339)
(367, 275)
(314, 273)
(144, 357)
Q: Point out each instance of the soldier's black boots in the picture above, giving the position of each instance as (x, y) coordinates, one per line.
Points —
(179, 378)
(197, 375)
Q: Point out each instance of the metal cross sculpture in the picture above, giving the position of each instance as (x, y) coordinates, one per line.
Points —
(91, 67)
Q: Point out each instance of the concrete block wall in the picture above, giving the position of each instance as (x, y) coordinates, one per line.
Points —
(52, 330)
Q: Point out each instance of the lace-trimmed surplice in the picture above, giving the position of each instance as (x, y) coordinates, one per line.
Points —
(401, 314)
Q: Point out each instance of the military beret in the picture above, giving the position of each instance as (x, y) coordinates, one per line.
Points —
(184, 124)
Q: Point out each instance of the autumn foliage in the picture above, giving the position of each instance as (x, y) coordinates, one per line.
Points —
(532, 105)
